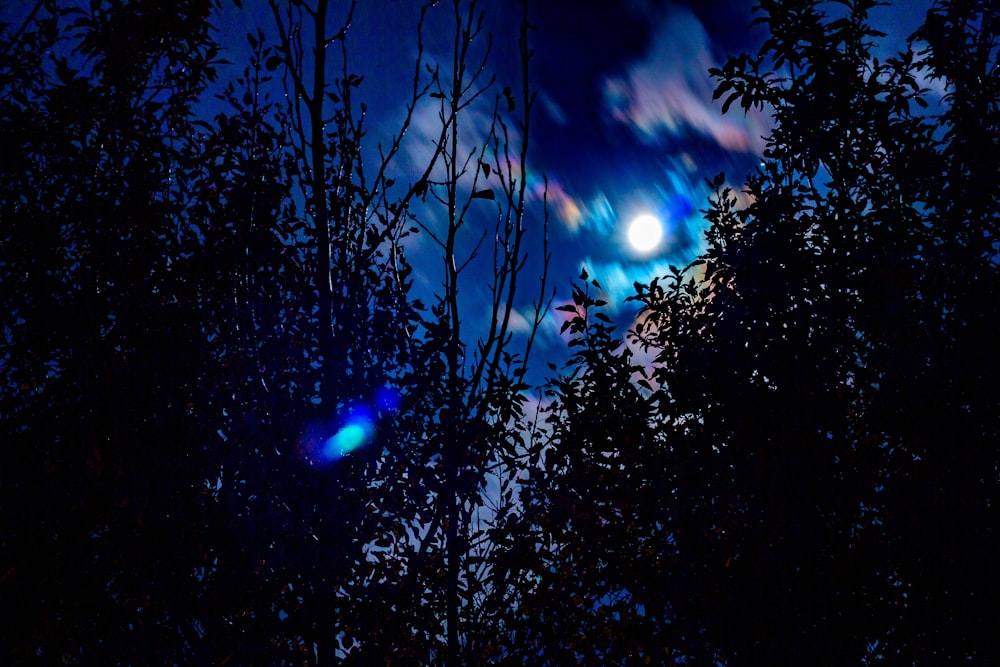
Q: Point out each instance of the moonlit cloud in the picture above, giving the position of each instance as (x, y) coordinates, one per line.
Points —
(519, 323)
(659, 98)
(552, 108)
(669, 93)
(618, 278)
(593, 215)
(473, 131)
(568, 210)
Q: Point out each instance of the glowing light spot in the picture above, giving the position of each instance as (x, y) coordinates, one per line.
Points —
(645, 232)
(327, 440)
(356, 433)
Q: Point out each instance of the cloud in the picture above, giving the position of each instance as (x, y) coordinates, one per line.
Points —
(473, 133)
(552, 108)
(618, 278)
(519, 322)
(567, 208)
(576, 214)
(668, 93)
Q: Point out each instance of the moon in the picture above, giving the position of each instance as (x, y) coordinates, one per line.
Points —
(645, 232)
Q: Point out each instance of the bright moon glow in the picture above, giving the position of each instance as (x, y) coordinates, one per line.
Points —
(645, 232)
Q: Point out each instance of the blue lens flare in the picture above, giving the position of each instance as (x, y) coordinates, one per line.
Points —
(356, 433)
(327, 441)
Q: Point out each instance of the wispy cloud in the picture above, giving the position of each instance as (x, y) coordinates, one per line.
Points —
(669, 93)
(425, 132)
(552, 108)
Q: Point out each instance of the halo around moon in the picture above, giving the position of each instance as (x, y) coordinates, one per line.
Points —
(645, 232)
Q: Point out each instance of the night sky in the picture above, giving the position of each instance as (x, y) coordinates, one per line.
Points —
(624, 124)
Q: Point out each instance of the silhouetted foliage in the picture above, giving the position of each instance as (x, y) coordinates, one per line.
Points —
(585, 543)
(205, 290)
(90, 412)
(849, 358)
(418, 506)
(825, 413)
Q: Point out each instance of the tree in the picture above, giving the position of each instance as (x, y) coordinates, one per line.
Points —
(408, 534)
(584, 547)
(200, 312)
(105, 348)
(816, 358)
(817, 436)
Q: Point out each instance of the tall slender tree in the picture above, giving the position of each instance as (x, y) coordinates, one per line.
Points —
(421, 516)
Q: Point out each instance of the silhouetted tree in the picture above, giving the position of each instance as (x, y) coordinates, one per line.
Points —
(108, 525)
(581, 552)
(207, 293)
(817, 442)
(835, 441)
(413, 581)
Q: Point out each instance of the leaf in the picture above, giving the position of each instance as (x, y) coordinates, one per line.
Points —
(509, 96)
(273, 62)
(729, 101)
(484, 194)
(64, 72)
(723, 87)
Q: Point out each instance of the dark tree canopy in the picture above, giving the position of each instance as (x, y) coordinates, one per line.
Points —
(819, 481)
(208, 299)
(804, 471)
